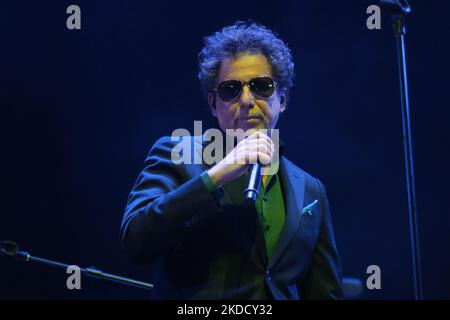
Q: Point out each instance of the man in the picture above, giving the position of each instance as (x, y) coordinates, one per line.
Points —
(190, 220)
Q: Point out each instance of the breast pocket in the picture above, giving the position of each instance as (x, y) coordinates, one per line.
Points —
(311, 218)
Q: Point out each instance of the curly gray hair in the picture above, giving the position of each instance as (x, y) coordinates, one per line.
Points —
(244, 37)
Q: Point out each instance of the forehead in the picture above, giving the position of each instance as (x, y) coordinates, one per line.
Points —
(244, 67)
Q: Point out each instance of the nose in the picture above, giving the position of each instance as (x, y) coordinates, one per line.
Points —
(247, 100)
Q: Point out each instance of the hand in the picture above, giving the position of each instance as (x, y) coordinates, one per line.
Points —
(256, 147)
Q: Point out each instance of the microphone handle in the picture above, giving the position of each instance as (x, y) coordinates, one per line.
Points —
(254, 184)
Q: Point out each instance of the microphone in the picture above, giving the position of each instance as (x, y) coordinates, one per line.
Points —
(9, 248)
(254, 184)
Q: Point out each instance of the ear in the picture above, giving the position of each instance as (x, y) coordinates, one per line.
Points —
(284, 97)
(212, 103)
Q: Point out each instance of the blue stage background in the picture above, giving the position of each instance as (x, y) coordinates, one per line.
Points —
(80, 110)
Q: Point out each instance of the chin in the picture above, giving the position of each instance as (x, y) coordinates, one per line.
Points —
(253, 126)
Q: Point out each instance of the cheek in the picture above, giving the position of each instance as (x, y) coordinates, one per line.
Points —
(271, 110)
(224, 112)
(268, 108)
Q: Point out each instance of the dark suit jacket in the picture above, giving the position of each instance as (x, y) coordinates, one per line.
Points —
(205, 248)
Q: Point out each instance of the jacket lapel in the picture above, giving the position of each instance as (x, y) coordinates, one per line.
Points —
(293, 186)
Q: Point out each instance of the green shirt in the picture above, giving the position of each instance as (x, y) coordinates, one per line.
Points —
(270, 206)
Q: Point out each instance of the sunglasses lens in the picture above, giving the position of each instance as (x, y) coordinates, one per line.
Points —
(228, 90)
(262, 86)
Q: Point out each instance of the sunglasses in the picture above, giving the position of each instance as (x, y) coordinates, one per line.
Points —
(230, 89)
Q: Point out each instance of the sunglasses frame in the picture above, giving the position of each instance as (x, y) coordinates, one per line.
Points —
(245, 83)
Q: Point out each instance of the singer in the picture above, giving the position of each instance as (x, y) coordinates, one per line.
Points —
(190, 221)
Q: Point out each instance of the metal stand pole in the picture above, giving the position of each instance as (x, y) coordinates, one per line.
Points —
(399, 9)
(10, 248)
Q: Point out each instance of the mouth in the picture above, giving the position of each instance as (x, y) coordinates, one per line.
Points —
(249, 117)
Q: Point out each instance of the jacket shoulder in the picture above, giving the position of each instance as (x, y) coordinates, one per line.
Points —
(167, 143)
(309, 179)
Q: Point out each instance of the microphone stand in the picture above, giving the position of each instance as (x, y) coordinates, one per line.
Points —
(398, 10)
(352, 286)
(10, 248)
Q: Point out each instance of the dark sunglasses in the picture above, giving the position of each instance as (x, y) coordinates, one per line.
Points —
(230, 89)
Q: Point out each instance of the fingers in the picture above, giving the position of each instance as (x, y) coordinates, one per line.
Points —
(256, 147)
(253, 133)
(252, 153)
(259, 138)
(263, 158)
